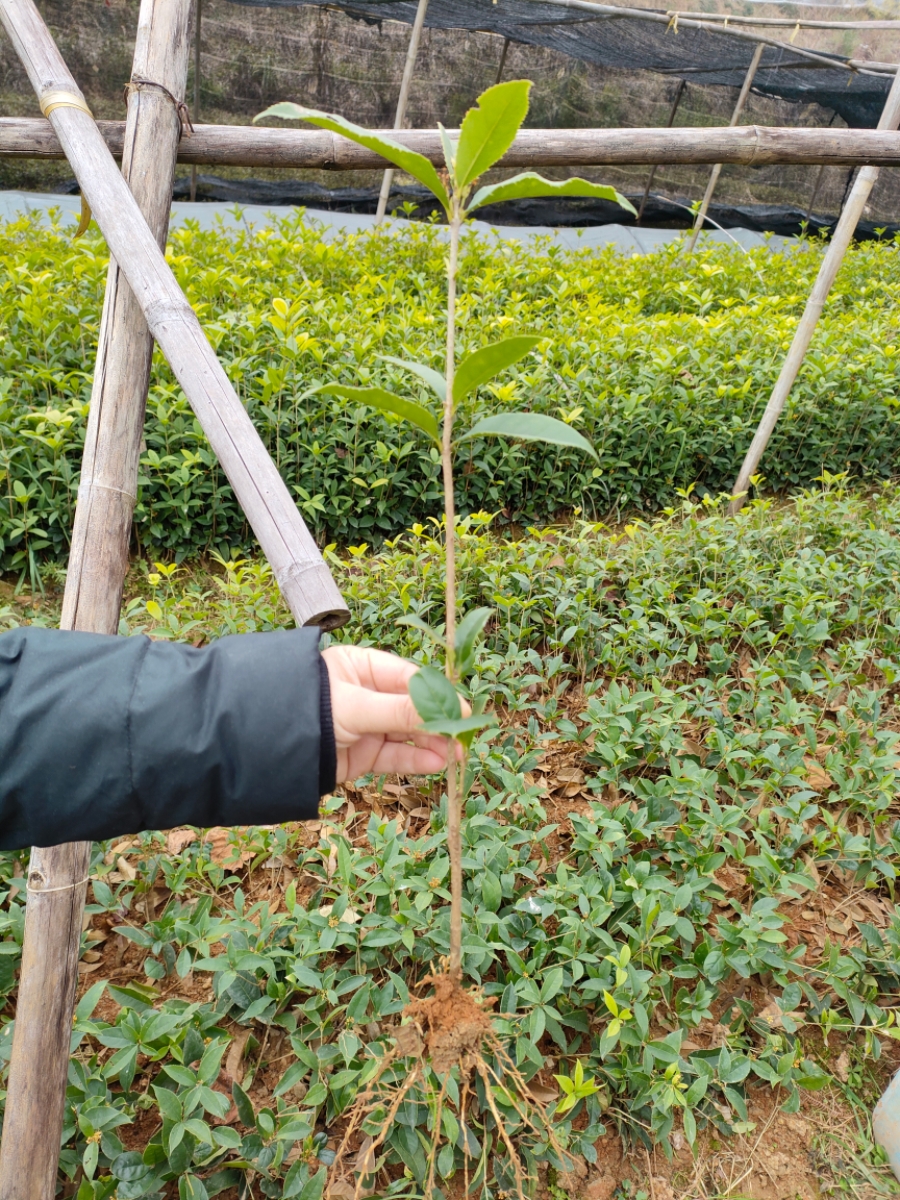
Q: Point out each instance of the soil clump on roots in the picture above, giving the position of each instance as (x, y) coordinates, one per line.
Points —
(453, 1023)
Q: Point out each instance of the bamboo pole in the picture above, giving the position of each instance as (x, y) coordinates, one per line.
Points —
(834, 256)
(198, 19)
(717, 169)
(617, 12)
(297, 564)
(261, 146)
(502, 63)
(788, 22)
(98, 560)
(57, 875)
(402, 101)
(679, 92)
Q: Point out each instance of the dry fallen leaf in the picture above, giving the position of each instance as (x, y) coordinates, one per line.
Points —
(349, 917)
(234, 1058)
(126, 869)
(365, 1160)
(842, 1066)
(817, 778)
(178, 839)
(409, 1041)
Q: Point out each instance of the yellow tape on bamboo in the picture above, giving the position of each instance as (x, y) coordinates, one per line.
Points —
(54, 100)
(85, 219)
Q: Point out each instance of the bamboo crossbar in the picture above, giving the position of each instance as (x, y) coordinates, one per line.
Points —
(255, 146)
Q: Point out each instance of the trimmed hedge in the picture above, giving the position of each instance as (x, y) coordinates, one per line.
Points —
(664, 361)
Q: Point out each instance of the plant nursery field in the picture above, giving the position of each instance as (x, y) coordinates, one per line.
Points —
(681, 841)
(664, 361)
(681, 851)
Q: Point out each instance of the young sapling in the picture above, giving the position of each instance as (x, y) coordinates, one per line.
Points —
(453, 1025)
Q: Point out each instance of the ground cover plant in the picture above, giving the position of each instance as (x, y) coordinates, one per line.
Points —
(680, 862)
(664, 363)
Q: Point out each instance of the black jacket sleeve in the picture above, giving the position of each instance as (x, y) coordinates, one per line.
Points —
(101, 736)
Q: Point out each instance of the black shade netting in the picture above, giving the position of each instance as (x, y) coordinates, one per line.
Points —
(634, 43)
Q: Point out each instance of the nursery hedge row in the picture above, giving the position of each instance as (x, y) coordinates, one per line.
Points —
(664, 361)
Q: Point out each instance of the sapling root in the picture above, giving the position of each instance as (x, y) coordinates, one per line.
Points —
(448, 1031)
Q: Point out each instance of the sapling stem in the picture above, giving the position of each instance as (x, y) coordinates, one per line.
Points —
(454, 816)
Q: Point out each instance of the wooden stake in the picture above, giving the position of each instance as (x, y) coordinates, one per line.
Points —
(262, 146)
(834, 256)
(402, 100)
(717, 169)
(297, 564)
(679, 92)
(57, 875)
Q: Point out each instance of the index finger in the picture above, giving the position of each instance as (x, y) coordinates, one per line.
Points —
(381, 671)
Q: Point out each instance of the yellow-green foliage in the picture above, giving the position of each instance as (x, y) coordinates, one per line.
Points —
(664, 362)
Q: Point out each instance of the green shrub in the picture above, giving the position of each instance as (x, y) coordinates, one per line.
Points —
(664, 362)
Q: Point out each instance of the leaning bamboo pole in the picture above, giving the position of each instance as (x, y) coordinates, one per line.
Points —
(57, 875)
(262, 146)
(717, 169)
(412, 53)
(834, 256)
(297, 564)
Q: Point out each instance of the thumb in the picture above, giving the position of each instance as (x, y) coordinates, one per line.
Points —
(357, 711)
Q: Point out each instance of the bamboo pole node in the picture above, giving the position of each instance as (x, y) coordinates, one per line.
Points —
(137, 84)
(60, 99)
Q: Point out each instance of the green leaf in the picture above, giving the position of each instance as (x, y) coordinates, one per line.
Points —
(449, 149)
(407, 160)
(434, 696)
(191, 1188)
(466, 635)
(89, 1001)
(314, 1188)
(377, 397)
(488, 130)
(169, 1104)
(243, 1106)
(532, 427)
(417, 623)
(433, 378)
(460, 728)
(530, 184)
(484, 364)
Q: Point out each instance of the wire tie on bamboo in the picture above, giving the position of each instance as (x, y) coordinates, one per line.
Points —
(86, 486)
(65, 887)
(185, 125)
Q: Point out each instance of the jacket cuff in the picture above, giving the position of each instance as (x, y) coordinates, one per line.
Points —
(327, 744)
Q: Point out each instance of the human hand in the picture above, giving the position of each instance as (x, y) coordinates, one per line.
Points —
(375, 721)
